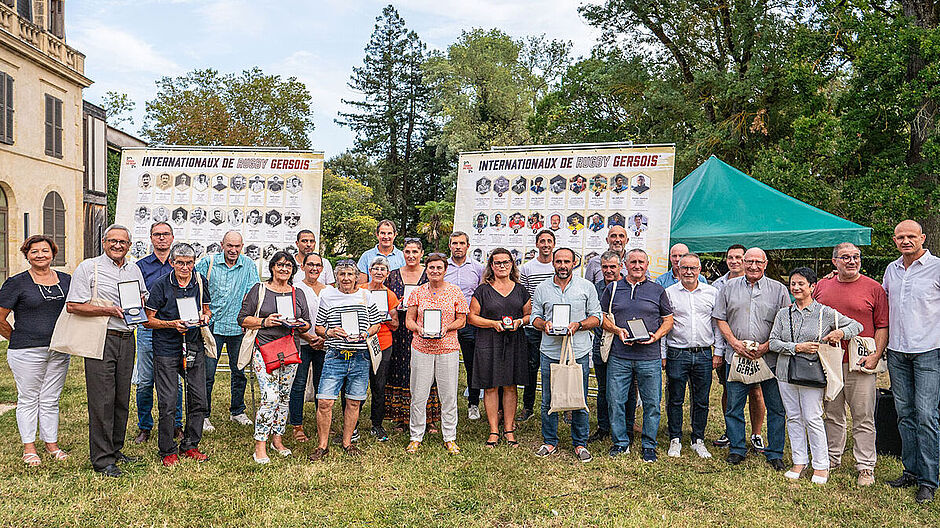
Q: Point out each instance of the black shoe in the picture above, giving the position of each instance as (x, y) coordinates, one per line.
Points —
(598, 435)
(142, 436)
(906, 480)
(924, 495)
(525, 415)
(649, 454)
(113, 471)
(777, 464)
(616, 451)
(379, 433)
(722, 441)
(121, 458)
(734, 459)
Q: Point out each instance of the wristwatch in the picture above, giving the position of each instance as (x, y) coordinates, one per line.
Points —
(580, 325)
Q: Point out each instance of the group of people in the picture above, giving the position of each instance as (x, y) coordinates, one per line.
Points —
(395, 324)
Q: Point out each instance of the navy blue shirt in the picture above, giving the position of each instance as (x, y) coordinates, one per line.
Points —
(152, 269)
(647, 301)
(163, 295)
(35, 308)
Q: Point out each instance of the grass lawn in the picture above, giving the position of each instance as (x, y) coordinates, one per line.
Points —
(387, 487)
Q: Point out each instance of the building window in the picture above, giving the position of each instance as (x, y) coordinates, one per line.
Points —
(4, 237)
(6, 109)
(53, 126)
(57, 18)
(24, 8)
(53, 224)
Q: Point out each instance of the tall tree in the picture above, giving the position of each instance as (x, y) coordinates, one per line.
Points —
(204, 107)
(348, 216)
(391, 116)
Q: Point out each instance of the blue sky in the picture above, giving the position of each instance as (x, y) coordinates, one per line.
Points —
(129, 44)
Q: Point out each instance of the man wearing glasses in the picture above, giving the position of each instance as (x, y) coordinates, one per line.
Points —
(385, 233)
(229, 276)
(107, 380)
(863, 299)
(745, 310)
(154, 266)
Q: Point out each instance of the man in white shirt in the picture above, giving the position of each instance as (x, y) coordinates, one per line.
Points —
(531, 274)
(688, 353)
(912, 283)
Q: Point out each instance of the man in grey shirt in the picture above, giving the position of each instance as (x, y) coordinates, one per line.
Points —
(107, 380)
(745, 310)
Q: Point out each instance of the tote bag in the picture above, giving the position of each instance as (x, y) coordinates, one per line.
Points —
(567, 382)
(748, 371)
(607, 338)
(372, 342)
(247, 350)
(82, 335)
(862, 347)
(831, 359)
(207, 338)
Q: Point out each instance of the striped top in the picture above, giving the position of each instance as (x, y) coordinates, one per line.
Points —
(333, 303)
(533, 273)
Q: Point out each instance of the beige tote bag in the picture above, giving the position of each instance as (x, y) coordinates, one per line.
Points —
(567, 383)
(862, 347)
(746, 370)
(247, 350)
(82, 335)
(831, 359)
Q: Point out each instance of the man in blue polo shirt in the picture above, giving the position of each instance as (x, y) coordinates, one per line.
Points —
(385, 233)
(636, 298)
(672, 275)
(178, 350)
(152, 267)
(229, 276)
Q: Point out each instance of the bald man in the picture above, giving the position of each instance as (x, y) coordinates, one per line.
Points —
(230, 275)
(745, 310)
(912, 283)
(676, 252)
(616, 242)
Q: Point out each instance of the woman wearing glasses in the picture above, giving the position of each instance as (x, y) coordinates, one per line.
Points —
(500, 306)
(435, 351)
(398, 386)
(311, 349)
(36, 297)
(378, 270)
(275, 387)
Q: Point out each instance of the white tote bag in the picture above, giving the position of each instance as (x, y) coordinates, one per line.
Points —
(567, 383)
(607, 338)
(82, 335)
(746, 370)
(207, 338)
(862, 347)
(831, 359)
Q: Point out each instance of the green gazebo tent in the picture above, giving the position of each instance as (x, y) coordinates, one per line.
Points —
(717, 205)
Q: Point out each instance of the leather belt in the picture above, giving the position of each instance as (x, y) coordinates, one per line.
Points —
(695, 349)
(122, 335)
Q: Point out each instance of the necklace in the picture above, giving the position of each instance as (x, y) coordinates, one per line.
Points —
(51, 293)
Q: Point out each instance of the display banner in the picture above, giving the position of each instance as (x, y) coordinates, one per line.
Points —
(507, 195)
(266, 195)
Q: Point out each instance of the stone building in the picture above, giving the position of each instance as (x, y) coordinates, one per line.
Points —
(43, 128)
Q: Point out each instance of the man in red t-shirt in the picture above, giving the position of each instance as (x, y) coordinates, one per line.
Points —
(863, 299)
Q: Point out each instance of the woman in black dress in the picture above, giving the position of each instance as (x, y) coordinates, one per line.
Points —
(398, 385)
(499, 308)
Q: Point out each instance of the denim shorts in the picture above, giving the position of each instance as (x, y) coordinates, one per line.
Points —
(349, 367)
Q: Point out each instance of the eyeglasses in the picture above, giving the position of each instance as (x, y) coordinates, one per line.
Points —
(283, 265)
(850, 258)
(412, 239)
(754, 262)
(161, 235)
(314, 264)
(346, 262)
(502, 263)
(187, 264)
(117, 242)
(689, 268)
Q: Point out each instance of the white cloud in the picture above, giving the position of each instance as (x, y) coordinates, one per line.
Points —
(112, 49)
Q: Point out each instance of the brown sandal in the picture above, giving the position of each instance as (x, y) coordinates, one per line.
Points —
(299, 434)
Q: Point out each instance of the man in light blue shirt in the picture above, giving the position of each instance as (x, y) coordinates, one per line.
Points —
(672, 275)
(385, 233)
(585, 313)
(229, 275)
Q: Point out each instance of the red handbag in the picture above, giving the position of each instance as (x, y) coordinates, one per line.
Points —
(282, 351)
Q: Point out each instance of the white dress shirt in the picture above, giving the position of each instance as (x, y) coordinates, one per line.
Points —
(913, 304)
(693, 325)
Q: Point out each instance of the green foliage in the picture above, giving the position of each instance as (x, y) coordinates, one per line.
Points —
(205, 107)
(118, 107)
(347, 216)
(114, 174)
(437, 223)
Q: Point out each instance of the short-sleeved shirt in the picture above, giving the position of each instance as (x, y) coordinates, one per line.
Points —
(313, 301)
(110, 274)
(582, 296)
(385, 333)
(466, 276)
(450, 301)
(750, 309)
(693, 325)
(862, 299)
(326, 274)
(645, 300)
(396, 259)
(227, 286)
(914, 304)
(152, 269)
(163, 295)
(268, 307)
(333, 303)
(35, 308)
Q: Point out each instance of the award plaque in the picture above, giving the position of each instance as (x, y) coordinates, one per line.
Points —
(131, 304)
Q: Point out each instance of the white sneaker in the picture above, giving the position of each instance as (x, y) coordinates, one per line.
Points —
(240, 419)
(473, 412)
(207, 426)
(699, 448)
(675, 447)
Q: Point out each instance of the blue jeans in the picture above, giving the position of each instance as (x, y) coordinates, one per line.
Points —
(692, 367)
(580, 427)
(603, 406)
(648, 374)
(308, 356)
(915, 382)
(145, 382)
(349, 368)
(734, 417)
(232, 344)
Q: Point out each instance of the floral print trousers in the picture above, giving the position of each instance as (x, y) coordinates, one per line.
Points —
(275, 397)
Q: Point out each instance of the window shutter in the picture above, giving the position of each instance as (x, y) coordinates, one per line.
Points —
(9, 112)
(3, 107)
(50, 125)
(58, 128)
(53, 224)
